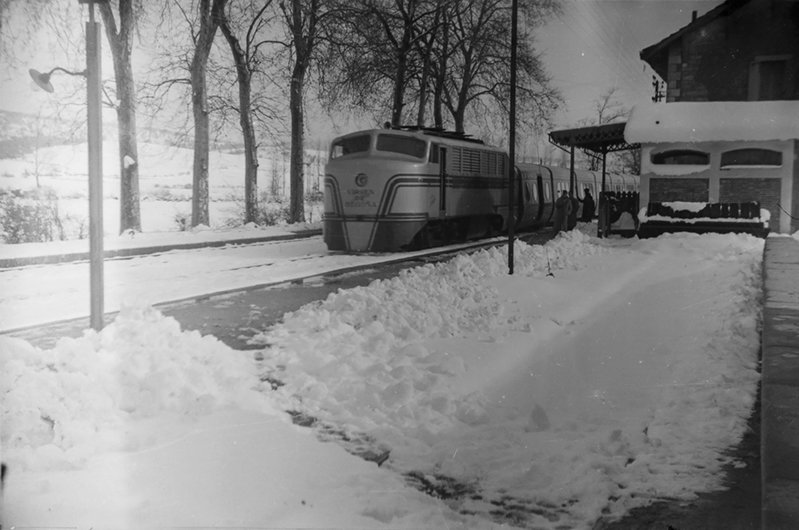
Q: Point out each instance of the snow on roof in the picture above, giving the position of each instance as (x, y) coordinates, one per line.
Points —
(707, 121)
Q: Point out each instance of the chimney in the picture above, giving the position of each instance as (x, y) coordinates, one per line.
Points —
(693, 16)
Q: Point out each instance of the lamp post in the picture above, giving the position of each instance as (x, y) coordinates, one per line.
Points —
(95, 142)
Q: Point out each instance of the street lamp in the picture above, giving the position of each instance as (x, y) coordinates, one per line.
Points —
(95, 140)
(43, 80)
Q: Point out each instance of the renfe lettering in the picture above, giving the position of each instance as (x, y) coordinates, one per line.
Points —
(360, 198)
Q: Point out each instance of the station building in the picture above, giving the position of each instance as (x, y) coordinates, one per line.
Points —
(729, 130)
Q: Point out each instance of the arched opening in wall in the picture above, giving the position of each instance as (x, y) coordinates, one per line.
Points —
(751, 157)
(682, 157)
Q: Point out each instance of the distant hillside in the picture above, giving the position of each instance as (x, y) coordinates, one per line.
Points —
(22, 133)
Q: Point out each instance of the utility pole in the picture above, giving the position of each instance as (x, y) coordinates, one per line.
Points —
(512, 135)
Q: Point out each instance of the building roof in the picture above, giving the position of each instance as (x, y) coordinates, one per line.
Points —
(598, 138)
(709, 121)
(657, 55)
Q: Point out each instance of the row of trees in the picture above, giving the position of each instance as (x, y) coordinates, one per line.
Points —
(401, 59)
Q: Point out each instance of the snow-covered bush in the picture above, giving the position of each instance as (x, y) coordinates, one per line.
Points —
(30, 216)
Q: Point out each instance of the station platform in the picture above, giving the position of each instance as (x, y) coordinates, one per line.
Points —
(779, 442)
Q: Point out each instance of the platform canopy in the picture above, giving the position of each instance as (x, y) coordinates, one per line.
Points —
(598, 139)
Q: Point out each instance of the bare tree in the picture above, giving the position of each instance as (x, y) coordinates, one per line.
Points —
(424, 47)
(439, 66)
(478, 65)
(304, 20)
(609, 109)
(245, 58)
(458, 50)
(376, 51)
(203, 41)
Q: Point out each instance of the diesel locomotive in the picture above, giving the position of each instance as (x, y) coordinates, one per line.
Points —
(401, 189)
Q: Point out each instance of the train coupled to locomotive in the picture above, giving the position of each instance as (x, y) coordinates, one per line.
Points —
(400, 189)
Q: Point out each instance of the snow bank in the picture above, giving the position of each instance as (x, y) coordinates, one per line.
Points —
(325, 349)
(63, 405)
(147, 426)
(688, 213)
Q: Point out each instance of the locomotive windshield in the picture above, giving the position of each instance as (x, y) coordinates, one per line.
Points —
(350, 145)
(405, 145)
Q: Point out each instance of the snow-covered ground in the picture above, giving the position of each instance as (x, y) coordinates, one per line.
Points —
(41, 294)
(621, 377)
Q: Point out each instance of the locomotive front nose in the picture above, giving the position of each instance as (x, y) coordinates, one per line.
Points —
(374, 185)
(352, 197)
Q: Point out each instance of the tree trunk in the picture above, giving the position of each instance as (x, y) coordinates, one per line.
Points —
(459, 108)
(199, 101)
(399, 80)
(245, 120)
(441, 76)
(422, 94)
(129, 204)
(297, 200)
(302, 22)
(250, 154)
(121, 45)
(399, 88)
(426, 62)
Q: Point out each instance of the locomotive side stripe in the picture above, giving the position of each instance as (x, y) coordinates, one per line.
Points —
(390, 190)
(427, 181)
(333, 182)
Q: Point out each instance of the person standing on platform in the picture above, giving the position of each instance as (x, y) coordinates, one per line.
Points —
(563, 207)
(588, 207)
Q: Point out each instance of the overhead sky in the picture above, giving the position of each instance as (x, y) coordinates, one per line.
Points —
(592, 47)
(595, 45)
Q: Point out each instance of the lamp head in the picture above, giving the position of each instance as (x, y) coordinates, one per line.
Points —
(43, 80)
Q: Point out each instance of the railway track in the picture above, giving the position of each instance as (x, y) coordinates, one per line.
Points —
(45, 333)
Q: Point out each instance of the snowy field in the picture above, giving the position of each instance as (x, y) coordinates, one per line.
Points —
(165, 176)
(620, 378)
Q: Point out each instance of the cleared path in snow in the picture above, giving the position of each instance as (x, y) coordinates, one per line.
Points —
(619, 380)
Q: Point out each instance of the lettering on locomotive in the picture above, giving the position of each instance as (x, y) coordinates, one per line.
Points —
(360, 199)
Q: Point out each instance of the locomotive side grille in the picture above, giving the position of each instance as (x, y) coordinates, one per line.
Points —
(454, 161)
(470, 161)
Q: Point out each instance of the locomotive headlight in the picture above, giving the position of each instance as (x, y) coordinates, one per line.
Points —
(361, 180)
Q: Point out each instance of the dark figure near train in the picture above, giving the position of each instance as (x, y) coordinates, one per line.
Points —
(563, 207)
(588, 207)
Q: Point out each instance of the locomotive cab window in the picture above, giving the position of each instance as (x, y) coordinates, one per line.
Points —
(751, 158)
(433, 157)
(681, 157)
(406, 145)
(350, 145)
